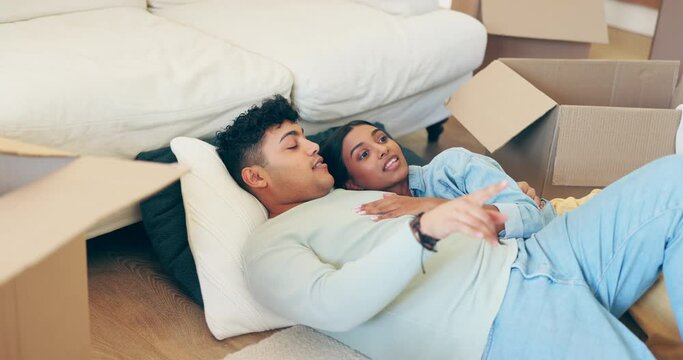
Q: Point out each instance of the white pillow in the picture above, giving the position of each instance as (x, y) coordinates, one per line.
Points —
(220, 216)
(403, 7)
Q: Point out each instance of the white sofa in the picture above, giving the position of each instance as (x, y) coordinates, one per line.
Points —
(116, 77)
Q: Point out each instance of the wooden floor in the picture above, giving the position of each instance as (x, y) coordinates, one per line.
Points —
(136, 310)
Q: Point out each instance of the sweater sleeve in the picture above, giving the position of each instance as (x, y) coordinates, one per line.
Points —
(292, 281)
(476, 171)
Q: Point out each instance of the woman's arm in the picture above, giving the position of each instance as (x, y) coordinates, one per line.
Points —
(392, 205)
(524, 216)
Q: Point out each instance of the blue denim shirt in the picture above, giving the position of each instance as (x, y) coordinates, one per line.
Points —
(456, 172)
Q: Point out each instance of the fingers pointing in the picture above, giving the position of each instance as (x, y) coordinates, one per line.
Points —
(483, 195)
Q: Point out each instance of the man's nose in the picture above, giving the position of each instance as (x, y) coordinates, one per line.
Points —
(313, 147)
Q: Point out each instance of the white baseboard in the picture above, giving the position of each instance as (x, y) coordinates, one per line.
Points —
(634, 18)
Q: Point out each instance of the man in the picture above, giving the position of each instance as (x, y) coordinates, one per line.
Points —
(556, 295)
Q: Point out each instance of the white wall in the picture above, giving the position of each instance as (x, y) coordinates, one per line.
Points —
(638, 19)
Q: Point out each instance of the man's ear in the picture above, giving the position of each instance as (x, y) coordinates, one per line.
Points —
(254, 177)
(351, 185)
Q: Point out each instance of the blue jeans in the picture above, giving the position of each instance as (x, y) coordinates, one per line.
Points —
(573, 278)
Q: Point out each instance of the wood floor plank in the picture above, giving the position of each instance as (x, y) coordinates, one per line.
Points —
(138, 312)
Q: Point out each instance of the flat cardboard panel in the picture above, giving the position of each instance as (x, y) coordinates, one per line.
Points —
(514, 47)
(527, 155)
(624, 83)
(497, 104)
(9, 146)
(18, 171)
(598, 145)
(644, 84)
(677, 97)
(666, 43)
(569, 20)
(9, 337)
(67, 202)
(52, 305)
(469, 7)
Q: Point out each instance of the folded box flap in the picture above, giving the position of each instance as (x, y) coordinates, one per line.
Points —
(622, 83)
(677, 97)
(497, 104)
(569, 20)
(15, 147)
(17, 171)
(42, 216)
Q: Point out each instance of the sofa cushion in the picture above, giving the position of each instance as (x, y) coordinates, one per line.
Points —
(17, 10)
(121, 80)
(345, 57)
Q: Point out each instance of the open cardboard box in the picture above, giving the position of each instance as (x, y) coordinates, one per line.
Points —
(538, 28)
(48, 199)
(568, 126)
(666, 43)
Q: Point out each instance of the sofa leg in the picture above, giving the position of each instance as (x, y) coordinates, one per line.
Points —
(435, 130)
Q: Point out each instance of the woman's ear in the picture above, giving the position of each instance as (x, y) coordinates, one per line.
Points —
(351, 185)
(254, 177)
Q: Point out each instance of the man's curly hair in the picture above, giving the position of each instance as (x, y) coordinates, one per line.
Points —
(239, 144)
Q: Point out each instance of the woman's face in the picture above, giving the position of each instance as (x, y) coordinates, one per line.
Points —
(374, 161)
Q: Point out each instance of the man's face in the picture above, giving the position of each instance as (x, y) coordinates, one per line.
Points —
(294, 170)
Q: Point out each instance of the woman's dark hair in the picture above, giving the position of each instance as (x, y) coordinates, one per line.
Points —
(331, 151)
(239, 144)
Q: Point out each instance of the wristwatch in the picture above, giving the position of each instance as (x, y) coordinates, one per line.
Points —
(425, 240)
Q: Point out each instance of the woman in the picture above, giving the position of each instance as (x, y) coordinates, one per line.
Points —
(361, 156)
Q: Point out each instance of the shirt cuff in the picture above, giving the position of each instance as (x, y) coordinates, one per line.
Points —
(514, 226)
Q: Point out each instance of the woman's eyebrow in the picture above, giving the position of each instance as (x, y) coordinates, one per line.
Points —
(361, 143)
(355, 147)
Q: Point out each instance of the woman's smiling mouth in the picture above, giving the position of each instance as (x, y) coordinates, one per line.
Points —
(392, 164)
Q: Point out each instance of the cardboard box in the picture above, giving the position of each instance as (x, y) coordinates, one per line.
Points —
(538, 28)
(48, 199)
(568, 126)
(666, 43)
